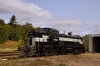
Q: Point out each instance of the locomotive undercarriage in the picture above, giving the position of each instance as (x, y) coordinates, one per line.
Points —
(52, 48)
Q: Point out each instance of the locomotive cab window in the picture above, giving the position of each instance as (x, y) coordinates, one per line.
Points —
(55, 35)
(32, 34)
(39, 35)
(35, 34)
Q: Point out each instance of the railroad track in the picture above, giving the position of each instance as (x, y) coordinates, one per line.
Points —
(9, 55)
(2, 54)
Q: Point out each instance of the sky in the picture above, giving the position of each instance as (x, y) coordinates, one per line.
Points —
(77, 16)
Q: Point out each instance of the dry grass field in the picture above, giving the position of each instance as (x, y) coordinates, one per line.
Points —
(8, 46)
(87, 59)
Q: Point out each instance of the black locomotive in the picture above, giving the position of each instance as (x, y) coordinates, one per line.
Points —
(48, 41)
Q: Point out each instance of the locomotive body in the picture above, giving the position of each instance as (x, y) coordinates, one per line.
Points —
(48, 41)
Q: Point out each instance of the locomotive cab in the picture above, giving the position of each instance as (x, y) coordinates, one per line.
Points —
(45, 38)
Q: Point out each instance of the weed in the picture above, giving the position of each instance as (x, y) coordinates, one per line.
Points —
(76, 61)
(62, 64)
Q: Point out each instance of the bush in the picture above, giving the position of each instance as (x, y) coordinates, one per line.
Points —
(20, 44)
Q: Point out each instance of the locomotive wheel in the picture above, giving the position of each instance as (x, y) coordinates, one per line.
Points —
(39, 54)
(76, 52)
(63, 51)
(44, 53)
(54, 52)
(80, 51)
(24, 54)
(50, 52)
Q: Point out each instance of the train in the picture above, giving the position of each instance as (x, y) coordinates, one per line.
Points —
(49, 41)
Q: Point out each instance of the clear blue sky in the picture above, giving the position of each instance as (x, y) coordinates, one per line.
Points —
(86, 12)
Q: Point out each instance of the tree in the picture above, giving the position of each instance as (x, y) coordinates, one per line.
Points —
(86, 41)
(13, 35)
(37, 28)
(26, 28)
(12, 20)
(4, 33)
(13, 31)
(2, 22)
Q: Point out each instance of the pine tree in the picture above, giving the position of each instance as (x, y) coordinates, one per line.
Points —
(12, 20)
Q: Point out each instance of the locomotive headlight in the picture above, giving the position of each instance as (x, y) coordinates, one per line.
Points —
(31, 46)
(22, 46)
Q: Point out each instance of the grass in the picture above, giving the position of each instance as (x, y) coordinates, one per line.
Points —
(8, 49)
(61, 60)
(9, 46)
(37, 62)
(62, 64)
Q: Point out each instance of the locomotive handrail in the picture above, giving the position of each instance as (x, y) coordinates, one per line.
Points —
(38, 44)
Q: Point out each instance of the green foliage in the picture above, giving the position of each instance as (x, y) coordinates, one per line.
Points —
(2, 22)
(26, 28)
(86, 41)
(4, 33)
(38, 28)
(12, 20)
(13, 31)
(20, 43)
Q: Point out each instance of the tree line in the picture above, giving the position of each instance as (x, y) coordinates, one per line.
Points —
(14, 31)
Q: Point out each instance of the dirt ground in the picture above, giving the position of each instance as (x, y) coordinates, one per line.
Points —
(87, 59)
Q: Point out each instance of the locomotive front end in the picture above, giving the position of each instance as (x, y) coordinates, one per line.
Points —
(29, 47)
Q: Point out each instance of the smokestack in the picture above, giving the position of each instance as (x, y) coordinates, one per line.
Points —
(69, 33)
